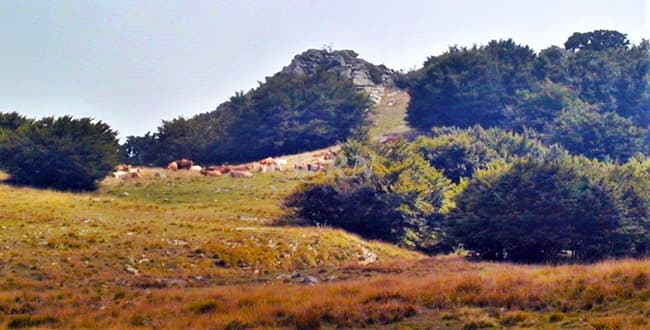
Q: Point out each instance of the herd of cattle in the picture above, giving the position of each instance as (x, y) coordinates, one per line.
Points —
(318, 162)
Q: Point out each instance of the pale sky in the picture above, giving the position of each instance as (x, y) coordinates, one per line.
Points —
(132, 64)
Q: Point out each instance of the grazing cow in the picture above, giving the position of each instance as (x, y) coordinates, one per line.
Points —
(265, 168)
(196, 168)
(299, 167)
(119, 174)
(267, 161)
(132, 173)
(184, 164)
(211, 172)
(280, 163)
(241, 174)
(122, 168)
(241, 168)
(173, 166)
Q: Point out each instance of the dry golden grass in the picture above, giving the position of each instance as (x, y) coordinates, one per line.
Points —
(186, 251)
(449, 293)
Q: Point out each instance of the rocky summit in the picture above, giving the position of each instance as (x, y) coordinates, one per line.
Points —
(345, 63)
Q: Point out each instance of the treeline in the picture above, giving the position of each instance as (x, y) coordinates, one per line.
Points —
(286, 114)
(499, 195)
(592, 96)
(62, 153)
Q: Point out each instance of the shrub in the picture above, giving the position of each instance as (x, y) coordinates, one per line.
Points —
(541, 209)
(387, 193)
(460, 152)
(62, 153)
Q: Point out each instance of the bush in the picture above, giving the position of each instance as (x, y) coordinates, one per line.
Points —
(62, 153)
(599, 136)
(460, 152)
(387, 193)
(544, 209)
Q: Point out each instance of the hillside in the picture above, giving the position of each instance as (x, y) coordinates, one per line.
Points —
(322, 97)
(190, 251)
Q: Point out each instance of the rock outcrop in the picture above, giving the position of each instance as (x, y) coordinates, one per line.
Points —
(345, 63)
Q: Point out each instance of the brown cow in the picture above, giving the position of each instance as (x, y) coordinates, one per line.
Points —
(267, 161)
(173, 166)
(241, 168)
(184, 164)
(241, 174)
(211, 172)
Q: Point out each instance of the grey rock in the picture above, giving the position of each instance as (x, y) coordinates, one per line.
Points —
(344, 63)
(310, 280)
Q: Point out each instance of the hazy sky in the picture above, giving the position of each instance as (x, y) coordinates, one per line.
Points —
(133, 63)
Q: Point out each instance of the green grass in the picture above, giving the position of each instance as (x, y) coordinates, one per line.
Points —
(186, 251)
(155, 231)
(390, 114)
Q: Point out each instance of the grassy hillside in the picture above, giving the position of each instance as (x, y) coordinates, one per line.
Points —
(195, 252)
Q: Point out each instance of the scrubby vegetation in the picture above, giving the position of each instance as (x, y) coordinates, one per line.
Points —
(61, 153)
(286, 114)
(386, 192)
(551, 209)
(514, 199)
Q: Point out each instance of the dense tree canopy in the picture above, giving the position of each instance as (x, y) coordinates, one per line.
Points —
(61, 153)
(598, 80)
(469, 86)
(547, 209)
(286, 114)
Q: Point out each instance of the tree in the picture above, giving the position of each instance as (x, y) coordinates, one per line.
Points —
(388, 193)
(596, 40)
(461, 152)
(465, 87)
(598, 135)
(286, 114)
(61, 153)
(539, 210)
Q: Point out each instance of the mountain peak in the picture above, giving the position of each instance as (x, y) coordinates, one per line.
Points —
(346, 63)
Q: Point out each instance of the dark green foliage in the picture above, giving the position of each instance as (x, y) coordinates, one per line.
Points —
(535, 110)
(507, 86)
(460, 152)
(286, 114)
(547, 210)
(596, 40)
(62, 153)
(599, 136)
(387, 193)
(630, 183)
(469, 86)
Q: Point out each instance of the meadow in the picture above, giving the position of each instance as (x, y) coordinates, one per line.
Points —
(179, 250)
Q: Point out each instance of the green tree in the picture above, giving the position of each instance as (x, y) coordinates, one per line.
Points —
(286, 114)
(596, 40)
(598, 135)
(61, 153)
(387, 193)
(461, 152)
(539, 210)
(469, 86)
